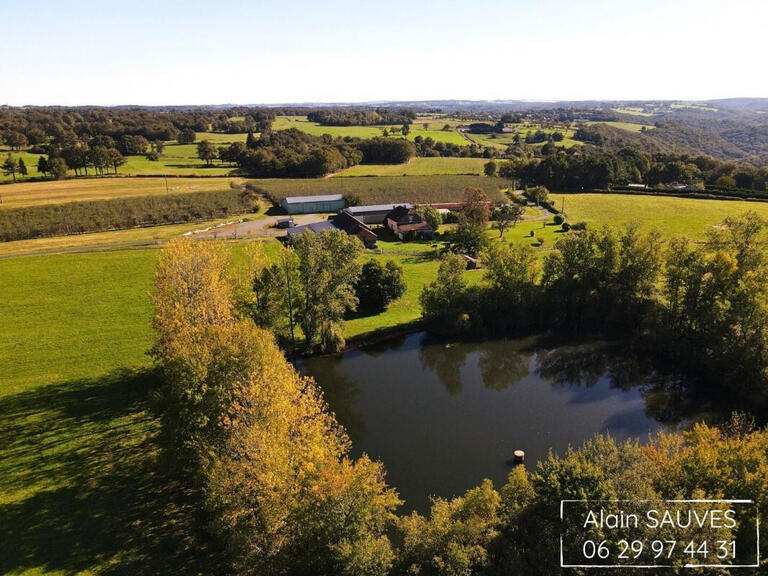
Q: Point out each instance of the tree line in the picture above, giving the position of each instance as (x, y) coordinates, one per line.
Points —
(702, 307)
(293, 153)
(575, 171)
(355, 117)
(122, 213)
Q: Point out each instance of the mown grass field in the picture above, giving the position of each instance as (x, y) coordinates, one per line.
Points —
(58, 191)
(386, 189)
(419, 167)
(434, 130)
(669, 215)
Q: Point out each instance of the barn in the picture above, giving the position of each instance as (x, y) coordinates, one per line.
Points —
(312, 204)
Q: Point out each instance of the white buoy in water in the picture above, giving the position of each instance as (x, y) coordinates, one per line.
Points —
(519, 456)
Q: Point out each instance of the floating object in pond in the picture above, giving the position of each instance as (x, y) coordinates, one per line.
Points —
(519, 457)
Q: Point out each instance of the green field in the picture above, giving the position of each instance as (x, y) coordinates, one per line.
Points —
(434, 131)
(628, 126)
(669, 215)
(501, 141)
(419, 167)
(634, 111)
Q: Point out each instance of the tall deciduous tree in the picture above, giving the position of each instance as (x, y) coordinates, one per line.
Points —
(328, 270)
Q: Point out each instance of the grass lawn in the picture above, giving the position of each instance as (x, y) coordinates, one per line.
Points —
(419, 167)
(669, 215)
(58, 191)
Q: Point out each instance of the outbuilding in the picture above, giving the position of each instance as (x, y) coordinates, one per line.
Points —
(312, 204)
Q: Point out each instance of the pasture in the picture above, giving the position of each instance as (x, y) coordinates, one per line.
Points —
(434, 130)
(628, 126)
(671, 216)
(501, 141)
(418, 167)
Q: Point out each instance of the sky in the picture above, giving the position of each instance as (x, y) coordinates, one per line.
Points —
(260, 52)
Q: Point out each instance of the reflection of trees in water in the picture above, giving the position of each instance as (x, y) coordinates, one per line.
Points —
(445, 360)
(502, 364)
(669, 397)
(341, 392)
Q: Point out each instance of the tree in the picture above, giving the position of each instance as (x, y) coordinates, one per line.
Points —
(250, 140)
(379, 285)
(476, 206)
(42, 165)
(489, 169)
(206, 151)
(444, 305)
(328, 269)
(131, 145)
(538, 194)
(10, 167)
(115, 159)
(506, 215)
(279, 487)
(16, 140)
(432, 216)
(186, 137)
(469, 237)
(22, 167)
(58, 168)
(405, 130)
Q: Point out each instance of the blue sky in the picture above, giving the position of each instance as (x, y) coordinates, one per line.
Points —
(194, 52)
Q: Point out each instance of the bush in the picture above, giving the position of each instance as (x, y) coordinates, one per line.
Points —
(558, 219)
(565, 227)
(379, 285)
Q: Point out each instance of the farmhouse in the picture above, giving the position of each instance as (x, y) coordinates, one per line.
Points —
(341, 221)
(312, 204)
(407, 221)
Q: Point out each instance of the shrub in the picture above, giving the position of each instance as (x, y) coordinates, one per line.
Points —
(565, 227)
(558, 219)
(379, 285)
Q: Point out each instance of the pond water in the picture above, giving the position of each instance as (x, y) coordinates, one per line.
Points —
(441, 417)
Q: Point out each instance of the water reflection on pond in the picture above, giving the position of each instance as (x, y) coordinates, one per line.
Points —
(441, 417)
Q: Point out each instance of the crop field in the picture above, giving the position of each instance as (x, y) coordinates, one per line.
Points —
(58, 191)
(386, 189)
(434, 131)
(669, 215)
(418, 167)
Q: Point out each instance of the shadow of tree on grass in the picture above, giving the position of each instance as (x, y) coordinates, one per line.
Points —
(82, 485)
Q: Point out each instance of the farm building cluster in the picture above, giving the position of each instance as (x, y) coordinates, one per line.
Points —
(404, 220)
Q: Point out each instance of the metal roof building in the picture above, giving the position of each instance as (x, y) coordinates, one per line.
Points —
(374, 213)
(312, 204)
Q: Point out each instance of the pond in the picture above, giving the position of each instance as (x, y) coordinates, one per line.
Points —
(441, 417)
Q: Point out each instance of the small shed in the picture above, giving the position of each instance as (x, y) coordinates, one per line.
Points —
(312, 204)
